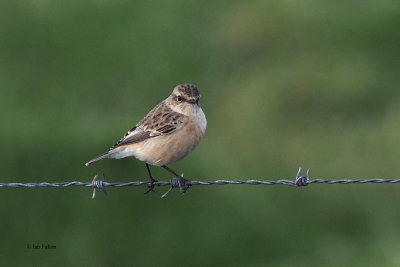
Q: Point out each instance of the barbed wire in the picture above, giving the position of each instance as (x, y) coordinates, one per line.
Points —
(300, 181)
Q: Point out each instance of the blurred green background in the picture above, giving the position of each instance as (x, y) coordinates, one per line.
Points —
(284, 83)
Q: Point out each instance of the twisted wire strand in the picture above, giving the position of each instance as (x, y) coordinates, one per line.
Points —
(216, 182)
(174, 183)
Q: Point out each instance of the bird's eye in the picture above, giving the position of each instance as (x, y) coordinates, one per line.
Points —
(179, 98)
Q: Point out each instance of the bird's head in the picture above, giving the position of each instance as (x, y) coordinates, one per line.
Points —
(184, 98)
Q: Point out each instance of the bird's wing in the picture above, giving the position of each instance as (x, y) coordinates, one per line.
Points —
(161, 120)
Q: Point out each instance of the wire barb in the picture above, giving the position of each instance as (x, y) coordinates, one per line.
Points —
(98, 184)
(175, 182)
(184, 184)
(302, 180)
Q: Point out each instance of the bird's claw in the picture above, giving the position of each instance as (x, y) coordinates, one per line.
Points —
(183, 184)
(151, 185)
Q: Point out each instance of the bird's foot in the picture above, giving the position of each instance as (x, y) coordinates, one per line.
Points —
(151, 185)
(183, 184)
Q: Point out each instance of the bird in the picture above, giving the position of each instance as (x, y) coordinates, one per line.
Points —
(168, 133)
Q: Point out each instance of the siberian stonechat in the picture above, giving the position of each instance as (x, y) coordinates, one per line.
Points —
(169, 132)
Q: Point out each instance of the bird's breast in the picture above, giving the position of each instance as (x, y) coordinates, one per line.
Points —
(167, 149)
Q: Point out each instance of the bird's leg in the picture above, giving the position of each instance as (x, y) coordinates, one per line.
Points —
(182, 181)
(151, 180)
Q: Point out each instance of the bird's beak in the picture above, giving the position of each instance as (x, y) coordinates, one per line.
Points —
(192, 101)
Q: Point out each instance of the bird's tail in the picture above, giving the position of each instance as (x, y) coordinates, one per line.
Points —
(102, 156)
